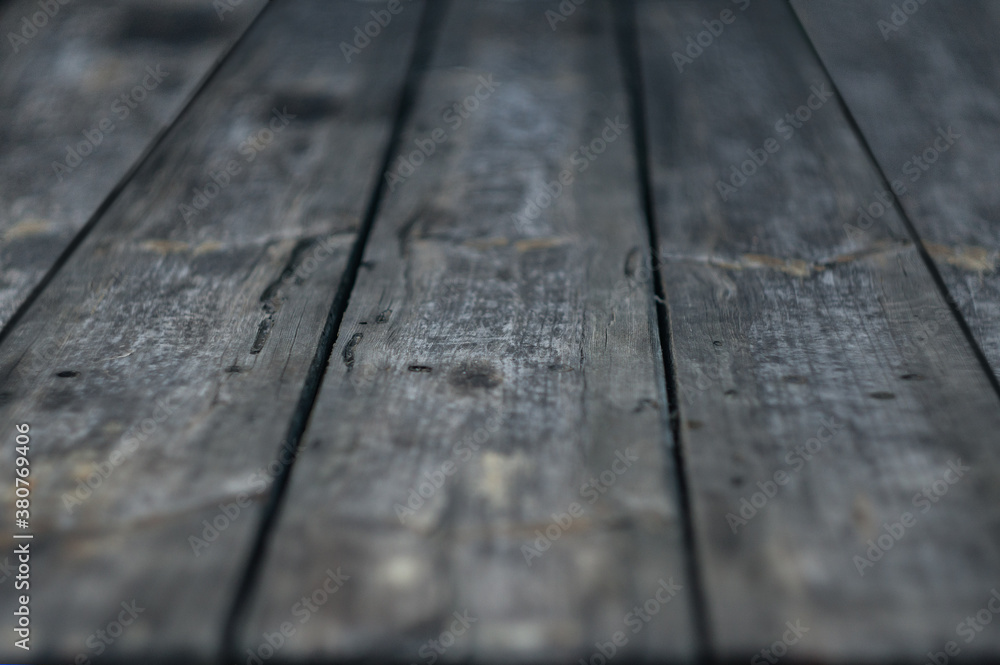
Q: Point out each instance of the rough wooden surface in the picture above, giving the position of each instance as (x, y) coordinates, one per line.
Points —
(61, 92)
(780, 323)
(493, 441)
(535, 338)
(938, 68)
(190, 339)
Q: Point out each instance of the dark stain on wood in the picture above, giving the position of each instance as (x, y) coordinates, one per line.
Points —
(349, 349)
(263, 331)
(474, 375)
(169, 24)
(304, 105)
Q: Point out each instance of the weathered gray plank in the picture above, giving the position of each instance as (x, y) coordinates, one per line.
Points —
(906, 75)
(525, 335)
(105, 78)
(779, 324)
(190, 340)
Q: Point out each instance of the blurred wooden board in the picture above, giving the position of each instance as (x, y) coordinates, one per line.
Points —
(924, 87)
(188, 336)
(81, 103)
(527, 331)
(784, 329)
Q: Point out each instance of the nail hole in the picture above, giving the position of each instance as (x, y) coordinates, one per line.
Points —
(234, 369)
(730, 392)
(913, 377)
(881, 394)
(716, 343)
(67, 374)
(420, 368)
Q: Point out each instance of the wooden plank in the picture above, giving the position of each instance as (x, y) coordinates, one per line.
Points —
(798, 360)
(84, 99)
(526, 331)
(185, 340)
(906, 75)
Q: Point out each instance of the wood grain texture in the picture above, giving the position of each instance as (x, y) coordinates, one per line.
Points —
(532, 337)
(187, 338)
(905, 77)
(61, 102)
(781, 323)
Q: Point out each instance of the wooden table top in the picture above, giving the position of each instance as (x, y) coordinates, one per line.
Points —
(527, 331)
